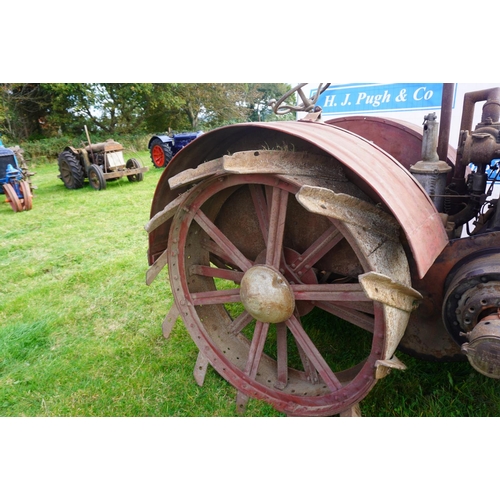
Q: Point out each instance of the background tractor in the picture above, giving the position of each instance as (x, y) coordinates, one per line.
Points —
(303, 254)
(163, 147)
(15, 179)
(98, 163)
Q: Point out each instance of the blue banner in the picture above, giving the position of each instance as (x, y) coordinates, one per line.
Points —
(380, 97)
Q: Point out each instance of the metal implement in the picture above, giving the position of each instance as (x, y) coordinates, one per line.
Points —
(15, 179)
(271, 229)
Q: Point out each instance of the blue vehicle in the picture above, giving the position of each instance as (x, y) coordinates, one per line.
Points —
(13, 181)
(163, 147)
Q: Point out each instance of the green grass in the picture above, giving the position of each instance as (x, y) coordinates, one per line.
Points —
(80, 332)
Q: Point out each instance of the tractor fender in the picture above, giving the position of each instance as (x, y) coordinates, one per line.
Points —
(163, 138)
(399, 138)
(75, 151)
(372, 169)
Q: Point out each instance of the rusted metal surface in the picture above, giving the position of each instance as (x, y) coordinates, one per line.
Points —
(445, 121)
(374, 171)
(241, 224)
(483, 347)
(263, 224)
(426, 335)
(400, 139)
(472, 291)
(470, 146)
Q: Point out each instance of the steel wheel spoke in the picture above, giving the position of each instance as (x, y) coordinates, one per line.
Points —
(282, 356)
(331, 237)
(216, 272)
(226, 245)
(217, 251)
(309, 370)
(261, 210)
(313, 354)
(256, 348)
(353, 316)
(215, 297)
(240, 322)
(342, 292)
(277, 217)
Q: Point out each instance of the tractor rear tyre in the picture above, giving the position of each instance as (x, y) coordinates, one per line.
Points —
(71, 172)
(161, 153)
(12, 198)
(96, 178)
(133, 163)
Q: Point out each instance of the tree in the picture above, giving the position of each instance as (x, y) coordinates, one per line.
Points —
(163, 110)
(108, 107)
(23, 107)
(35, 110)
(212, 104)
(260, 111)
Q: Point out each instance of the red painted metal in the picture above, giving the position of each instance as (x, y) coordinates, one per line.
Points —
(158, 155)
(375, 171)
(426, 336)
(299, 228)
(402, 140)
(12, 198)
(318, 389)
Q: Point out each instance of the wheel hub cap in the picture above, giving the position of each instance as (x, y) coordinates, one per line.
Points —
(266, 295)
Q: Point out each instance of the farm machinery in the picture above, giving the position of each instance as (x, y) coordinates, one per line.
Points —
(98, 163)
(302, 254)
(163, 147)
(15, 179)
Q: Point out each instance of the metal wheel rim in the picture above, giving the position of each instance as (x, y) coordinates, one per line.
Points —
(96, 179)
(66, 175)
(325, 401)
(158, 155)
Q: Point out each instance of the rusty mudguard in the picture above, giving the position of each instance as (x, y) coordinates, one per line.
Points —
(375, 171)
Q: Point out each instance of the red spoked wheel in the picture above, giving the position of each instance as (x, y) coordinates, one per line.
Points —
(270, 294)
(27, 196)
(12, 198)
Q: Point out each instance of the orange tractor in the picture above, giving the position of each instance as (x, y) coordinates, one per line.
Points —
(356, 225)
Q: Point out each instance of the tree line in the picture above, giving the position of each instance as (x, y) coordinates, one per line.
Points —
(32, 111)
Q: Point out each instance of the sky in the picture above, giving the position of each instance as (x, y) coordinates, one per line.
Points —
(233, 42)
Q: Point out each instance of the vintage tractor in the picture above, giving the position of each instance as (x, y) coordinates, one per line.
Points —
(302, 254)
(15, 179)
(163, 147)
(98, 163)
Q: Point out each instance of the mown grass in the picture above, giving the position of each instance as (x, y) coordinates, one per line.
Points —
(80, 332)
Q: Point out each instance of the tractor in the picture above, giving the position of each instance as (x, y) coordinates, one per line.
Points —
(15, 179)
(98, 163)
(163, 147)
(358, 224)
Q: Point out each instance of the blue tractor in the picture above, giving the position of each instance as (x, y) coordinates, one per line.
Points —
(164, 147)
(14, 181)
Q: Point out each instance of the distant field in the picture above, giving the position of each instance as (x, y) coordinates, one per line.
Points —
(80, 332)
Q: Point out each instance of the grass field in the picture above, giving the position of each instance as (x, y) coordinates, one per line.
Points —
(80, 332)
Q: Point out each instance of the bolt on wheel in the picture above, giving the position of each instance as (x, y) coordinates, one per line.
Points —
(269, 292)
